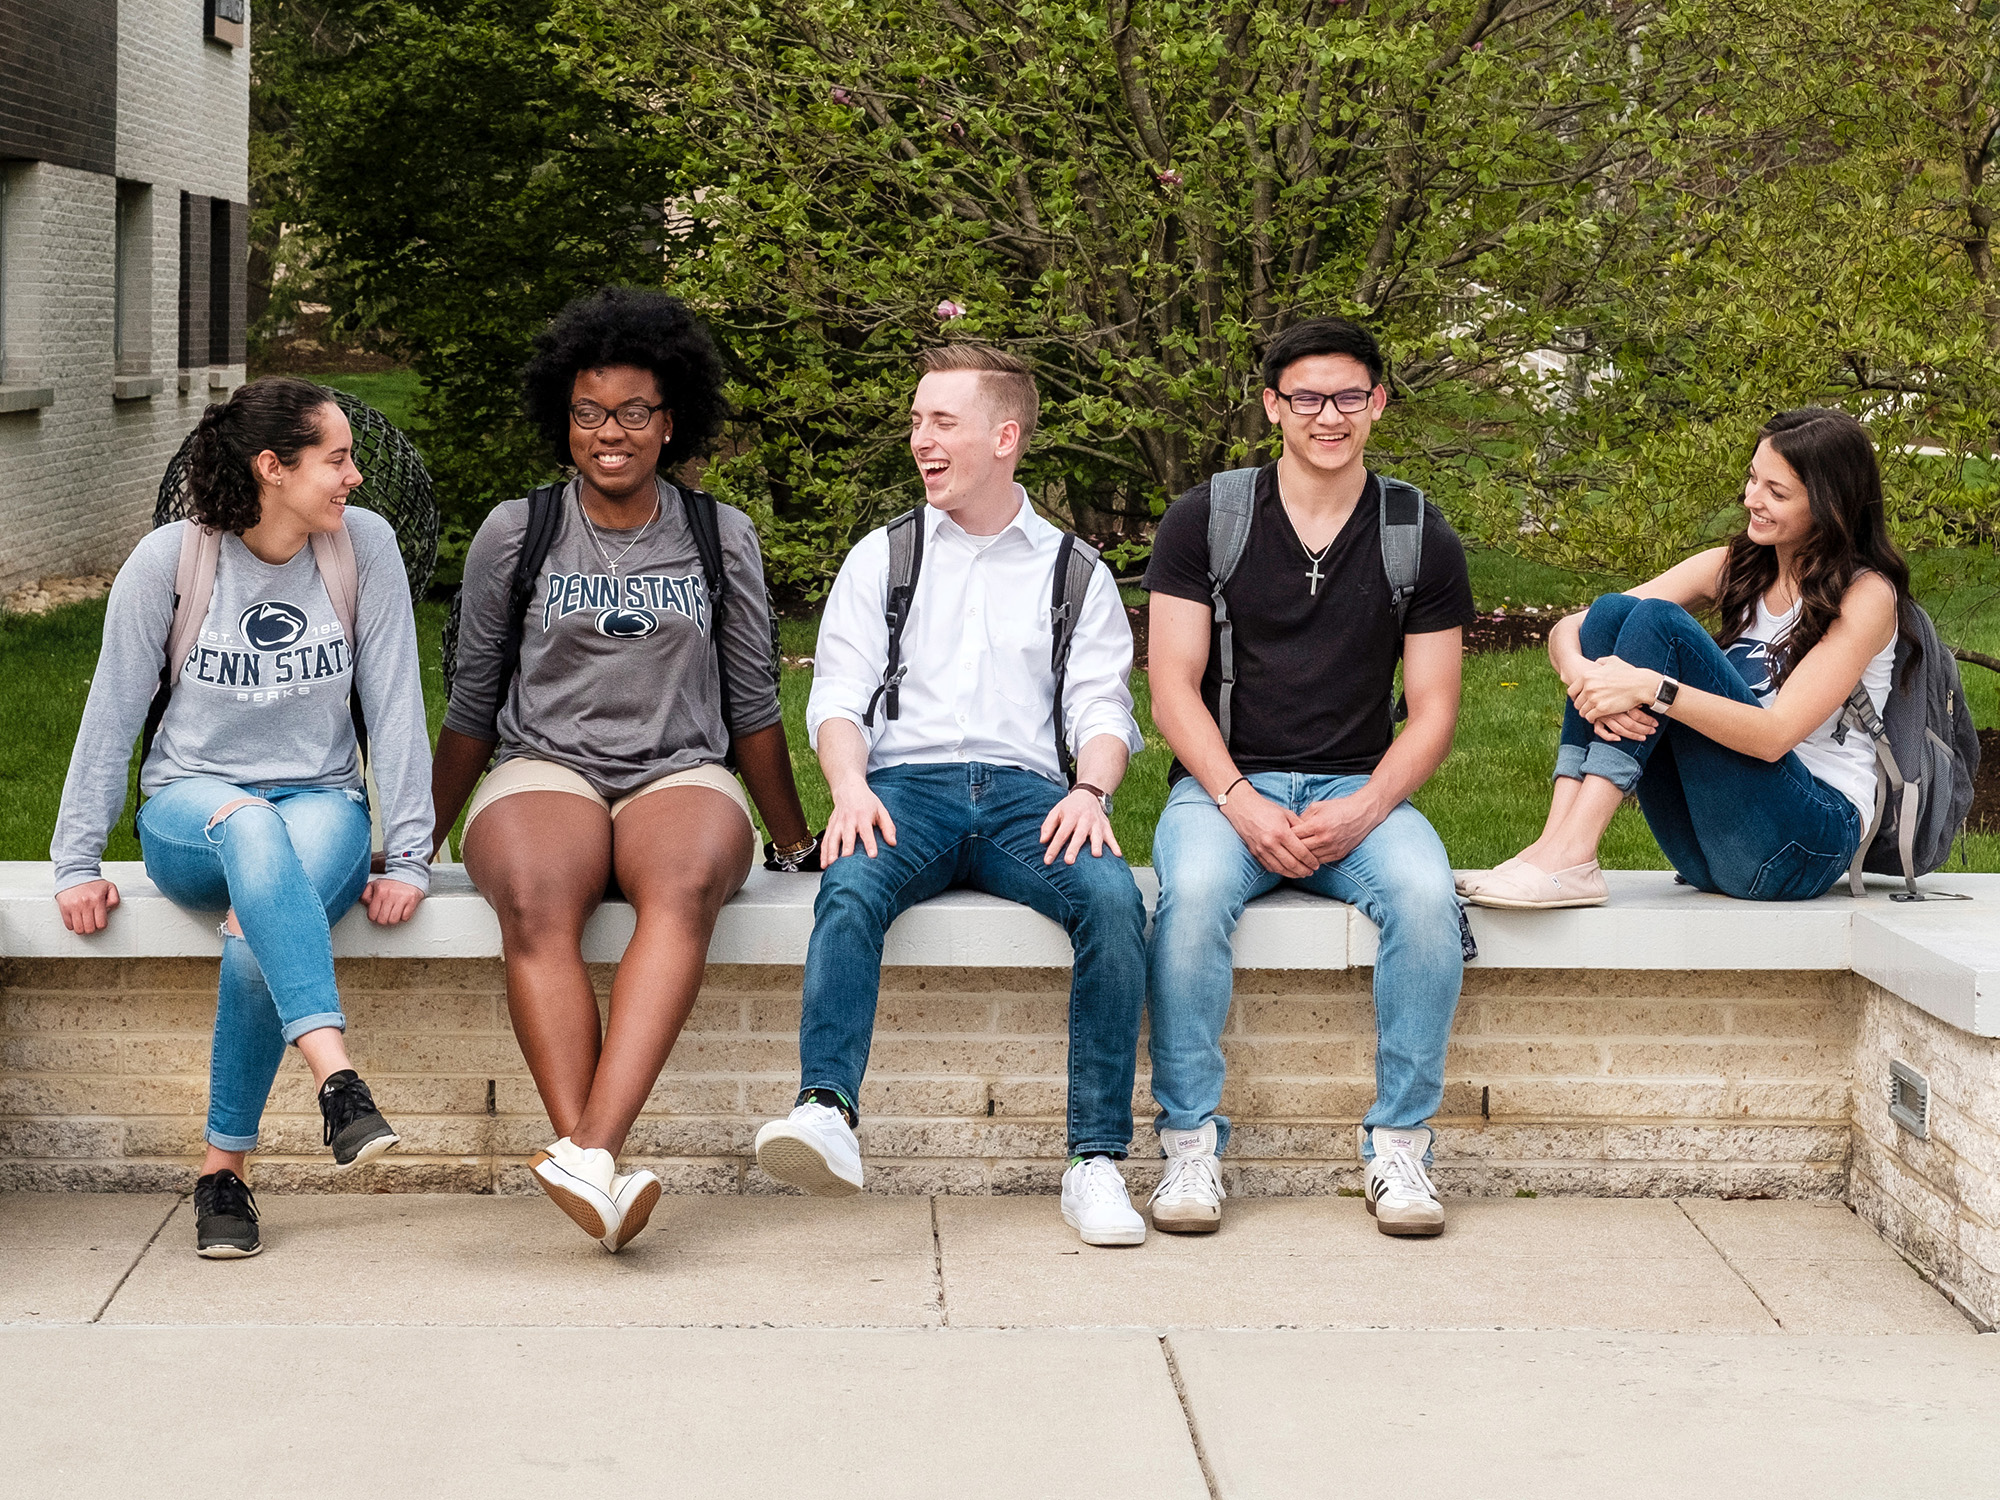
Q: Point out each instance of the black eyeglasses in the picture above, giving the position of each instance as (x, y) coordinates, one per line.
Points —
(1308, 403)
(632, 416)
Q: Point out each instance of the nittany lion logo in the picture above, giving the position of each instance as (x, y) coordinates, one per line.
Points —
(1752, 660)
(627, 624)
(272, 624)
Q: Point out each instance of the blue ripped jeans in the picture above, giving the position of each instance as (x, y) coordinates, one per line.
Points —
(1398, 876)
(1728, 822)
(290, 869)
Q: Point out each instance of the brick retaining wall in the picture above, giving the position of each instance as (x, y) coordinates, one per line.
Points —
(1560, 1081)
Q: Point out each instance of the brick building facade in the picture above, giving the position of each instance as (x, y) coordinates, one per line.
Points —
(124, 188)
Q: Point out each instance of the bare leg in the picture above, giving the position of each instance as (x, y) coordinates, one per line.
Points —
(1586, 814)
(541, 859)
(680, 854)
(218, 1160)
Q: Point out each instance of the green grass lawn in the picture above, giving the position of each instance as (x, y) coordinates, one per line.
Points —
(1487, 800)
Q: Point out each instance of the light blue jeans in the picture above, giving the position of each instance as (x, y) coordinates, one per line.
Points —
(1398, 876)
(290, 870)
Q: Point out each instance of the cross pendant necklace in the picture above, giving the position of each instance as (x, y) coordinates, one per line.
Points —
(1314, 578)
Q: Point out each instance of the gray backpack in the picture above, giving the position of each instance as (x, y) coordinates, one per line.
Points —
(1076, 561)
(1926, 754)
(1231, 502)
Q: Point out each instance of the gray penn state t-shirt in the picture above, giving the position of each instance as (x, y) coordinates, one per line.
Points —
(262, 698)
(618, 678)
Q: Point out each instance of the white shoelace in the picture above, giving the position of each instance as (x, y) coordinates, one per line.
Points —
(1404, 1174)
(1190, 1177)
(1098, 1180)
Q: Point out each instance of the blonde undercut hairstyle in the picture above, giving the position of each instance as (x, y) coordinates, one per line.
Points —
(1008, 382)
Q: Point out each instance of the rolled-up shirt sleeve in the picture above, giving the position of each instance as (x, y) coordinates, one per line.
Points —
(853, 644)
(1097, 693)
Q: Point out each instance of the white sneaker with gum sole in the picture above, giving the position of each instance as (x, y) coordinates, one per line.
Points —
(579, 1180)
(813, 1149)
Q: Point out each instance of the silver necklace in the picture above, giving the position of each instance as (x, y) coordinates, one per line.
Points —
(611, 563)
(1314, 578)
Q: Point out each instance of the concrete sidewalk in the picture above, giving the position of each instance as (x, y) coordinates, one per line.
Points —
(915, 1347)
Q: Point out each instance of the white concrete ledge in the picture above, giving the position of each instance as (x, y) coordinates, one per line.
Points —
(26, 397)
(1942, 956)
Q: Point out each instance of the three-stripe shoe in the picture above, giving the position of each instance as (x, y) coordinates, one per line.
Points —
(1399, 1191)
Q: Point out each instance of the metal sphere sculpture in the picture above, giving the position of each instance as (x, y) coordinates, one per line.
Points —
(394, 484)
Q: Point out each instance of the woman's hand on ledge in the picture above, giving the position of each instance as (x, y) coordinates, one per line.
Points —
(86, 908)
(390, 901)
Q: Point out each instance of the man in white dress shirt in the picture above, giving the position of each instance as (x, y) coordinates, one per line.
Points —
(964, 786)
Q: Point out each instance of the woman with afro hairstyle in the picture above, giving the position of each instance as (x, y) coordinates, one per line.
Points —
(255, 805)
(609, 732)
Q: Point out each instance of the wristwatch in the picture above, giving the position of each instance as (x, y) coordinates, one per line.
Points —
(1664, 699)
(1103, 797)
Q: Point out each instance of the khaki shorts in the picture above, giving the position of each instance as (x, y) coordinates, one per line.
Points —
(524, 775)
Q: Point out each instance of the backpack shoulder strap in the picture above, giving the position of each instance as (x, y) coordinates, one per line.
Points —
(906, 561)
(194, 587)
(1232, 501)
(699, 507)
(1402, 543)
(544, 523)
(333, 551)
(1069, 585)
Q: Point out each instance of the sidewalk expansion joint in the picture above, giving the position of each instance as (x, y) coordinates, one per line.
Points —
(1187, 1416)
(937, 1269)
(158, 1229)
(1734, 1269)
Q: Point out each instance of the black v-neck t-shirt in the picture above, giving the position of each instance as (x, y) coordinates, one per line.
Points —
(1314, 671)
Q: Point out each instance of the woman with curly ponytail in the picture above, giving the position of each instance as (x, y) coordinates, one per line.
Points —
(255, 802)
(1733, 744)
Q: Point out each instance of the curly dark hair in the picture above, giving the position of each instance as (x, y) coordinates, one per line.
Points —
(278, 413)
(623, 325)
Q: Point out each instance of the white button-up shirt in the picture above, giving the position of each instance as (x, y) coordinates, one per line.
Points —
(976, 641)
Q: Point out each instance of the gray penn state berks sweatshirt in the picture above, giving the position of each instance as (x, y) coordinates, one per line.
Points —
(262, 698)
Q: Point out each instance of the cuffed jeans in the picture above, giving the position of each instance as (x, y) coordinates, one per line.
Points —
(1398, 876)
(976, 825)
(1728, 822)
(289, 870)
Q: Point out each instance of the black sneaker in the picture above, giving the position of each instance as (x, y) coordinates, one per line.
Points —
(354, 1126)
(225, 1217)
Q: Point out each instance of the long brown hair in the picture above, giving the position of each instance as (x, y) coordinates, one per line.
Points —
(1835, 461)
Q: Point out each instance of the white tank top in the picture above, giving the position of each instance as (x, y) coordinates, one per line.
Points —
(1850, 768)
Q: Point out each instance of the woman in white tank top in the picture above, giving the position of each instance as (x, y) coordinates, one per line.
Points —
(1729, 740)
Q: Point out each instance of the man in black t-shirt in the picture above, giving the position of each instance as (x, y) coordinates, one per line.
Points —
(1311, 786)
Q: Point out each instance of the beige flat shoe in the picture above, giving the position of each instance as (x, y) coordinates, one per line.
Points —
(1471, 880)
(1528, 888)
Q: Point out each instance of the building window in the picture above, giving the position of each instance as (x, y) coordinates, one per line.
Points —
(228, 279)
(194, 279)
(132, 325)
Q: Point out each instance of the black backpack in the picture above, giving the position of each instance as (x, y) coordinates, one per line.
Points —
(545, 513)
(1076, 561)
(1926, 755)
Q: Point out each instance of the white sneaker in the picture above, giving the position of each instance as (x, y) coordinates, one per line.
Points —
(635, 1197)
(812, 1148)
(1189, 1197)
(1096, 1205)
(579, 1180)
(1400, 1193)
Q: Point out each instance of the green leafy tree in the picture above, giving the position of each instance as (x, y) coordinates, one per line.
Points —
(1138, 194)
(460, 183)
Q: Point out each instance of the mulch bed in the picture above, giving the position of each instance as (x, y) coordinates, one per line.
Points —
(1985, 814)
(1491, 632)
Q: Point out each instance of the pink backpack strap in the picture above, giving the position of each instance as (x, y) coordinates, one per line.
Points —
(194, 586)
(334, 552)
